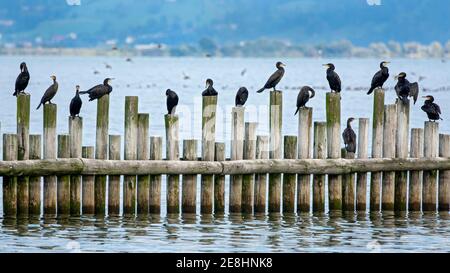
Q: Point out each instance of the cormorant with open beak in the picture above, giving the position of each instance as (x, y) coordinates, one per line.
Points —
(209, 91)
(49, 93)
(333, 78)
(432, 109)
(241, 96)
(172, 101)
(303, 97)
(275, 78)
(75, 103)
(405, 89)
(100, 90)
(22, 80)
(349, 137)
(380, 77)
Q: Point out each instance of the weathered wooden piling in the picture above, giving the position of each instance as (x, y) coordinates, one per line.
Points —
(275, 128)
(208, 141)
(237, 149)
(76, 142)
(389, 140)
(219, 181)
(88, 187)
(130, 153)
(415, 177)
(320, 152)
(361, 178)
(429, 183)
(63, 192)
(101, 152)
(262, 152)
(444, 176)
(155, 180)
(304, 151)
(172, 153)
(377, 147)
(248, 180)
(50, 196)
(35, 181)
(23, 130)
(143, 153)
(289, 180)
(348, 185)
(333, 112)
(9, 183)
(401, 151)
(189, 188)
(114, 180)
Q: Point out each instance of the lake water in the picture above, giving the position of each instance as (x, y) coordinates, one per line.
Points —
(148, 78)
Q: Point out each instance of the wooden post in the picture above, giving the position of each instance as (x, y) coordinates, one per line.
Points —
(50, 111)
(172, 153)
(320, 152)
(63, 192)
(143, 153)
(208, 140)
(101, 152)
(275, 126)
(219, 181)
(430, 149)
(76, 142)
(23, 130)
(88, 188)
(35, 181)
(401, 151)
(189, 189)
(304, 152)
(377, 147)
(415, 177)
(248, 180)
(333, 109)
(348, 186)
(262, 152)
(130, 153)
(114, 180)
(361, 178)
(237, 149)
(155, 180)
(289, 180)
(389, 133)
(9, 183)
(444, 176)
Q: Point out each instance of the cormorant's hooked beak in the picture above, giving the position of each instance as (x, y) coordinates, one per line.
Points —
(326, 65)
(282, 65)
(396, 77)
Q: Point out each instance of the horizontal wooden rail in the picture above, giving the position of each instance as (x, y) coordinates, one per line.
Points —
(292, 166)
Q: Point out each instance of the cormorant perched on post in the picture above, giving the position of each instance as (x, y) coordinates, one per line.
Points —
(241, 96)
(380, 77)
(49, 93)
(209, 91)
(405, 89)
(349, 137)
(22, 80)
(75, 104)
(432, 109)
(303, 97)
(275, 78)
(333, 78)
(100, 90)
(172, 101)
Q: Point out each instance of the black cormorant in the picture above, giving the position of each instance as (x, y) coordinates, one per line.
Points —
(380, 77)
(275, 78)
(241, 96)
(405, 89)
(22, 80)
(349, 137)
(100, 90)
(209, 91)
(333, 78)
(75, 103)
(432, 109)
(172, 101)
(303, 97)
(49, 93)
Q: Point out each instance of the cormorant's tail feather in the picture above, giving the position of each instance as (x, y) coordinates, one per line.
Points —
(39, 106)
(15, 93)
(370, 91)
(298, 108)
(260, 90)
